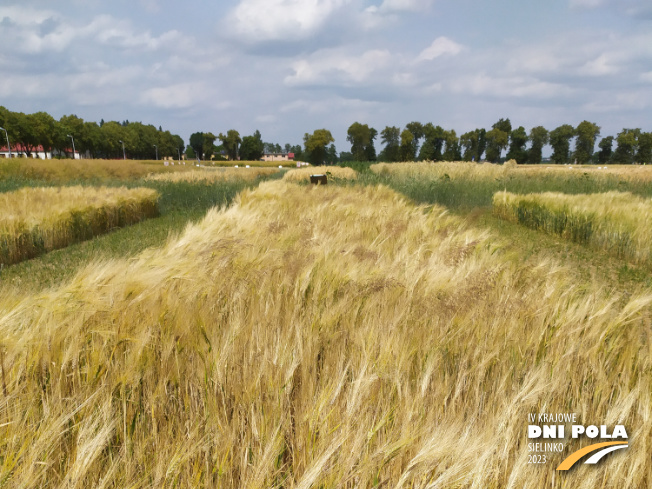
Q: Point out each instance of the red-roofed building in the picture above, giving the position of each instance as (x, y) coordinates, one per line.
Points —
(18, 151)
(278, 157)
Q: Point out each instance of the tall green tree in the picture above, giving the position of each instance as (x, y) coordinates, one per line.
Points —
(644, 153)
(407, 146)
(361, 137)
(68, 124)
(298, 152)
(112, 133)
(518, 139)
(503, 125)
(252, 147)
(560, 138)
(370, 149)
(627, 147)
(44, 129)
(91, 139)
(316, 144)
(391, 138)
(469, 145)
(197, 144)
(473, 144)
(587, 133)
(209, 145)
(539, 137)
(23, 132)
(452, 151)
(331, 155)
(606, 150)
(417, 130)
(482, 143)
(432, 148)
(498, 139)
(231, 142)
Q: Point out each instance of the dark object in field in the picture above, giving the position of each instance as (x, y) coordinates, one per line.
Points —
(318, 179)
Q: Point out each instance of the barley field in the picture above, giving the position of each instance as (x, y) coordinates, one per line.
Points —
(618, 222)
(37, 220)
(215, 175)
(336, 336)
(253, 164)
(60, 171)
(465, 185)
(334, 174)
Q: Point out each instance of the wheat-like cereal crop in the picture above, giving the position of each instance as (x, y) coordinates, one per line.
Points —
(323, 337)
(618, 222)
(332, 172)
(470, 185)
(67, 170)
(215, 175)
(251, 163)
(37, 220)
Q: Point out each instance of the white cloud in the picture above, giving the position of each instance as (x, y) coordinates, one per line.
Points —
(647, 77)
(599, 66)
(586, 3)
(440, 47)
(34, 32)
(99, 84)
(266, 119)
(275, 20)
(120, 33)
(151, 6)
(327, 105)
(26, 86)
(102, 77)
(26, 15)
(508, 87)
(617, 102)
(327, 67)
(639, 9)
(405, 5)
(175, 96)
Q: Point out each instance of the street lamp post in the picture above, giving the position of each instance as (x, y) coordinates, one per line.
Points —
(124, 155)
(156, 148)
(7, 136)
(73, 146)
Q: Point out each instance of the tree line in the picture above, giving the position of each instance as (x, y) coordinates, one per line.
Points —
(423, 142)
(317, 147)
(101, 140)
(416, 142)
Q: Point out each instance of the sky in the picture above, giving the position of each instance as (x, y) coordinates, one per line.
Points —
(287, 67)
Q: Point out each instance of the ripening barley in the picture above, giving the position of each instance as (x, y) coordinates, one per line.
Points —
(37, 220)
(67, 170)
(618, 222)
(317, 337)
(332, 172)
(216, 175)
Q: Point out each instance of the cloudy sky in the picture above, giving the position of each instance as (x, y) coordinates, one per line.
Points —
(287, 67)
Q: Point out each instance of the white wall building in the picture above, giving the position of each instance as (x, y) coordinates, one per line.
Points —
(18, 151)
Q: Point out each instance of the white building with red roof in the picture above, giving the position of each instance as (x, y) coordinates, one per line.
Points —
(39, 152)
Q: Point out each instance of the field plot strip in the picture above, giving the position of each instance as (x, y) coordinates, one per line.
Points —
(326, 336)
(215, 175)
(618, 222)
(37, 220)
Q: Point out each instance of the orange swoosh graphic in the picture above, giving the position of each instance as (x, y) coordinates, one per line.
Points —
(575, 456)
